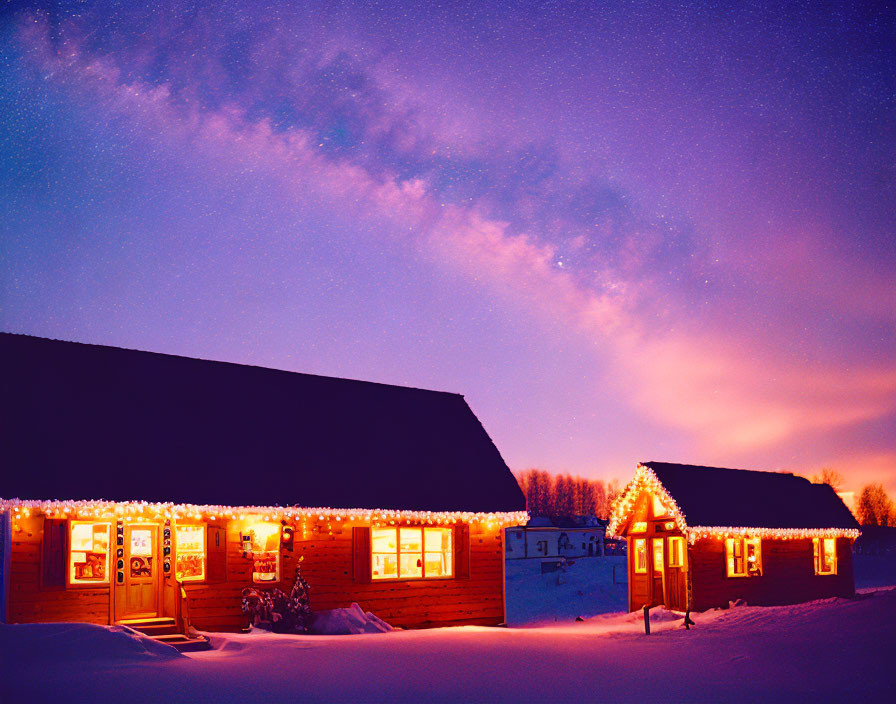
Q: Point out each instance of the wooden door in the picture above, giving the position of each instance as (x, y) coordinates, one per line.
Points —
(138, 596)
(657, 565)
(676, 587)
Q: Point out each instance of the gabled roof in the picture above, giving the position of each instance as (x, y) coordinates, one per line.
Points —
(708, 497)
(715, 496)
(82, 421)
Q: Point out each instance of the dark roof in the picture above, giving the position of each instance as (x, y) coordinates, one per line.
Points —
(82, 421)
(713, 496)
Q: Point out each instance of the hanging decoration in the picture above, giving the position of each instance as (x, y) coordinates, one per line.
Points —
(166, 547)
(119, 552)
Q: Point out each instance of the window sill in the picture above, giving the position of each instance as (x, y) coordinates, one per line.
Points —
(392, 580)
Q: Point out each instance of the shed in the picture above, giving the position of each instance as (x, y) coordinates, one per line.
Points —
(701, 537)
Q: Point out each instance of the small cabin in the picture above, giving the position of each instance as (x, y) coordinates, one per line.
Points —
(144, 488)
(701, 537)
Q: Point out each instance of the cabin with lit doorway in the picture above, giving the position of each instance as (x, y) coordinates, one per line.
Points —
(702, 537)
(150, 490)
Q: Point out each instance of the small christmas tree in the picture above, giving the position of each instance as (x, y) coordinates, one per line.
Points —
(299, 599)
(275, 611)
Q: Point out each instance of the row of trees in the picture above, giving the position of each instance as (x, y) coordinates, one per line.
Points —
(874, 507)
(564, 495)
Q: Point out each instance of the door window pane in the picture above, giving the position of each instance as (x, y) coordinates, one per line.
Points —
(640, 555)
(676, 552)
(140, 556)
(658, 555)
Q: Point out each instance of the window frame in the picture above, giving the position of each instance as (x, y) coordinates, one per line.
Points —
(70, 582)
(249, 528)
(452, 552)
(731, 558)
(818, 553)
(204, 543)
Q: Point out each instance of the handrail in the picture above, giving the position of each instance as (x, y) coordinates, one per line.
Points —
(182, 607)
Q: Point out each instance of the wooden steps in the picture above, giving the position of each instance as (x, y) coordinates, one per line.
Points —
(165, 631)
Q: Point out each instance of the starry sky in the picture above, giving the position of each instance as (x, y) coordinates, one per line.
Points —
(623, 230)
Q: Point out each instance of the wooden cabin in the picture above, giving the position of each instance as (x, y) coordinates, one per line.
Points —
(143, 488)
(701, 537)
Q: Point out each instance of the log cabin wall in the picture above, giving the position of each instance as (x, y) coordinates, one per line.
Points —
(328, 550)
(31, 600)
(328, 566)
(788, 574)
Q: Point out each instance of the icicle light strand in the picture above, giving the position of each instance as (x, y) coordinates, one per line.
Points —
(147, 510)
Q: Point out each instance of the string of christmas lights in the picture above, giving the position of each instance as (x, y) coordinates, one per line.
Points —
(144, 510)
(624, 504)
(696, 533)
(646, 480)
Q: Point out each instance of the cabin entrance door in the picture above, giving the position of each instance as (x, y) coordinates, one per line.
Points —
(137, 595)
(657, 581)
(676, 587)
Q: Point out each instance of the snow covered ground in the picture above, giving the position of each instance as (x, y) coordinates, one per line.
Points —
(831, 650)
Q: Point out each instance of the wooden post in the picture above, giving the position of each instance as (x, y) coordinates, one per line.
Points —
(646, 620)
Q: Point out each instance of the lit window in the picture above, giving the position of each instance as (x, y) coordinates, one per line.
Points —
(744, 557)
(264, 544)
(189, 564)
(658, 508)
(825, 554)
(639, 527)
(640, 555)
(676, 552)
(411, 553)
(89, 555)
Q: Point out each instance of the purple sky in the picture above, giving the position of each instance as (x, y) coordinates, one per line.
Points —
(624, 231)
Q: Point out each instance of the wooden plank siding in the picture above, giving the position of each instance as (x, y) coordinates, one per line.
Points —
(328, 566)
(788, 575)
(327, 558)
(30, 600)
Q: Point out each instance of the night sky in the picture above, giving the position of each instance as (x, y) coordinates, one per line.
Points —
(623, 230)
